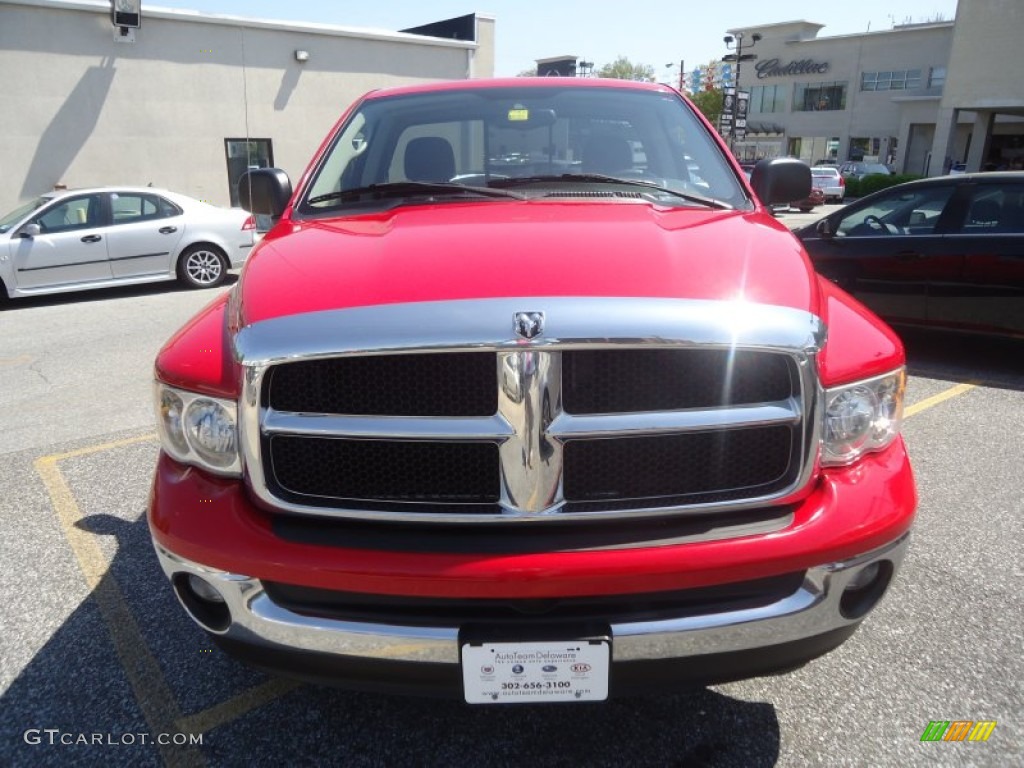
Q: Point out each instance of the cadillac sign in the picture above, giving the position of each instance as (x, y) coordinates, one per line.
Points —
(774, 68)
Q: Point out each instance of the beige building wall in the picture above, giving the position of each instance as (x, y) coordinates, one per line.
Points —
(483, 57)
(86, 110)
(984, 87)
(986, 57)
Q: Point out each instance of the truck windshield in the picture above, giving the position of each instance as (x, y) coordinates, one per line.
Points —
(540, 141)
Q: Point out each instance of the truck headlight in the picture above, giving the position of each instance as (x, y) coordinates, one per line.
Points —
(198, 429)
(862, 417)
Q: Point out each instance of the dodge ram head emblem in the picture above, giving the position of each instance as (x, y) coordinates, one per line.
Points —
(529, 324)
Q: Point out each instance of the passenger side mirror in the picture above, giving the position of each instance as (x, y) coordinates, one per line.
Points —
(781, 180)
(824, 228)
(30, 230)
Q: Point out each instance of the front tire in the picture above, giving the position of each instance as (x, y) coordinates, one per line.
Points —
(202, 266)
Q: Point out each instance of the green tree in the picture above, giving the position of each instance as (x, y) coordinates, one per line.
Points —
(710, 103)
(623, 69)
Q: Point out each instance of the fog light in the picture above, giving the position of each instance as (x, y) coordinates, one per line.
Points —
(203, 589)
(204, 603)
(865, 589)
(864, 576)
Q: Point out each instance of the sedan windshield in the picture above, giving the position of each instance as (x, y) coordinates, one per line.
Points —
(550, 141)
(21, 212)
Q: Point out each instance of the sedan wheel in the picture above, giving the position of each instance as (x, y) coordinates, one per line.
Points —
(202, 266)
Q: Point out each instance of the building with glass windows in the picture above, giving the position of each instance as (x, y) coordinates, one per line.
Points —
(918, 97)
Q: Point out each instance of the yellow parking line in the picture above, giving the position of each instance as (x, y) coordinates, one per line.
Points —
(934, 400)
(232, 709)
(97, 448)
(148, 683)
(151, 691)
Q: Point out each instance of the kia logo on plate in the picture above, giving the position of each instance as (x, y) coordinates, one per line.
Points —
(581, 668)
(487, 669)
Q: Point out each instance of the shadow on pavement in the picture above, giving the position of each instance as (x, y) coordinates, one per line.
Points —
(960, 358)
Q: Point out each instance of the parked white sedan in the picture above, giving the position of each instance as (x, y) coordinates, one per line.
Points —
(828, 179)
(94, 238)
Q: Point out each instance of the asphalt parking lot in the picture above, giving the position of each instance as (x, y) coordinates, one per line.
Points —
(98, 663)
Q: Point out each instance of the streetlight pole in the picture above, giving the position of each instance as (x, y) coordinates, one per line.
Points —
(736, 43)
(682, 66)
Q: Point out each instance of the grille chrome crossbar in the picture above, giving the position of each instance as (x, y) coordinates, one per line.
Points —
(531, 428)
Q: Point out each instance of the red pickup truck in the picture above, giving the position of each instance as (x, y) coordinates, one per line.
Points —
(527, 397)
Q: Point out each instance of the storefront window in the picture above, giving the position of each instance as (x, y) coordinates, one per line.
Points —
(859, 146)
(819, 97)
(814, 149)
(768, 98)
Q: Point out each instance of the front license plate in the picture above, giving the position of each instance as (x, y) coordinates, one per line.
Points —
(521, 673)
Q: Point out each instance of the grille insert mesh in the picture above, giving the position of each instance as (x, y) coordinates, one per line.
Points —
(625, 381)
(677, 465)
(443, 473)
(442, 384)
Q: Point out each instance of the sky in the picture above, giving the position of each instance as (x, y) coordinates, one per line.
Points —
(654, 32)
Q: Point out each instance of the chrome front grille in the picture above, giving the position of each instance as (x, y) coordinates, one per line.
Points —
(708, 409)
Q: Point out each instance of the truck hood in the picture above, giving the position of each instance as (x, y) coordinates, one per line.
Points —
(438, 252)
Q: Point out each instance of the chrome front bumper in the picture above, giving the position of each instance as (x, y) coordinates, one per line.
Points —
(813, 610)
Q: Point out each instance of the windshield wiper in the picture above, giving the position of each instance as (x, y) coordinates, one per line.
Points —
(587, 178)
(409, 188)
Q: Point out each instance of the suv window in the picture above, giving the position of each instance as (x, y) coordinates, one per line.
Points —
(996, 209)
(914, 212)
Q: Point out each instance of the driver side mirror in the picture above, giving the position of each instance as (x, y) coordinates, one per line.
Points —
(30, 230)
(265, 191)
(824, 228)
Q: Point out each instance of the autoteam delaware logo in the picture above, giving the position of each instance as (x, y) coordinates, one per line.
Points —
(958, 730)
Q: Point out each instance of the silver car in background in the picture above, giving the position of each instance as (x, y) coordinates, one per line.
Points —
(828, 179)
(94, 238)
(857, 169)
